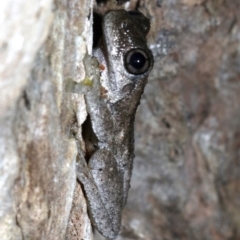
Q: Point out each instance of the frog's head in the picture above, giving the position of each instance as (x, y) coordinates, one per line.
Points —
(124, 53)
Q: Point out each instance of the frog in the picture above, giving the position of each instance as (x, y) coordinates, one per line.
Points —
(117, 75)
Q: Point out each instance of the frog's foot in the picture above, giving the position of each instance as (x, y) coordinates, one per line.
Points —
(92, 79)
(90, 82)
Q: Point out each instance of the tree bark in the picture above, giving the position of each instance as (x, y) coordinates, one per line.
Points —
(185, 182)
(42, 45)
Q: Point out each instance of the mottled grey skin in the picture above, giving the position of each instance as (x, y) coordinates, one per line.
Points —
(111, 104)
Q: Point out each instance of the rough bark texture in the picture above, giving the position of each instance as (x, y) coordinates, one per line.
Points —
(186, 177)
(42, 43)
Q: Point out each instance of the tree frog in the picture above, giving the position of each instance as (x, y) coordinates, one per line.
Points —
(112, 100)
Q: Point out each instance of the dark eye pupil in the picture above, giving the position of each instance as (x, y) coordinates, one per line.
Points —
(137, 60)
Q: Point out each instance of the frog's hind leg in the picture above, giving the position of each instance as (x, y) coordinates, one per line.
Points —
(104, 190)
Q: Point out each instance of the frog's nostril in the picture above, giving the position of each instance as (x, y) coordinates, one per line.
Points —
(127, 88)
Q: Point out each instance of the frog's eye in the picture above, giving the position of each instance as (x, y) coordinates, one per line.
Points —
(137, 61)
